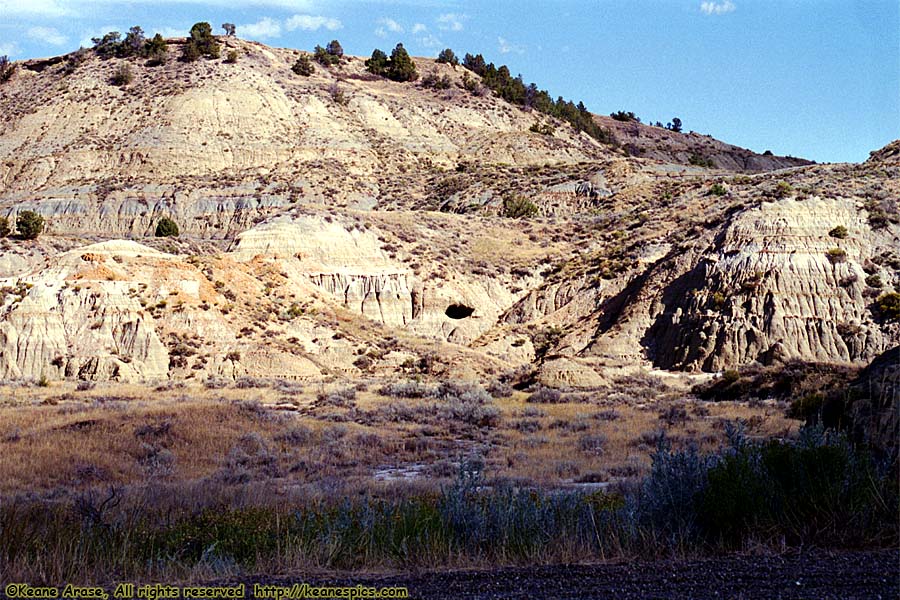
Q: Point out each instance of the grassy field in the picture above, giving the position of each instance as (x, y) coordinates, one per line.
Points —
(60, 438)
(260, 478)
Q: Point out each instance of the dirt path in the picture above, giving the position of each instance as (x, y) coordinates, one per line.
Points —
(814, 575)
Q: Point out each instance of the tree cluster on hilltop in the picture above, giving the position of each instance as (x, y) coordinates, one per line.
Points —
(399, 67)
(200, 42)
(513, 90)
(330, 55)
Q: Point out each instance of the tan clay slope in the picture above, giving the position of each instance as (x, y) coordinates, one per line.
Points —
(646, 141)
(629, 263)
(231, 142)
(221, 146)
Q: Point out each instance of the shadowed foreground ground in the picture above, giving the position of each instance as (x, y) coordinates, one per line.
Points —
(814, 574)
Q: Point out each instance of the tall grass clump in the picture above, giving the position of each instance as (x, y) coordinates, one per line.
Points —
(816, 489)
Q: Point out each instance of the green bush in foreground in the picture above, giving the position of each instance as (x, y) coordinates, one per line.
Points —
(29, 224)
(166, 228)
(888, 306)
(840, 232)
(519, 207)
(303, 66)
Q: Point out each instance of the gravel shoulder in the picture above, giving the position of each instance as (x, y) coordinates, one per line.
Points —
(815, 574)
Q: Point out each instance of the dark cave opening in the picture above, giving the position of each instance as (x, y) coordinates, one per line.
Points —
(459, 311)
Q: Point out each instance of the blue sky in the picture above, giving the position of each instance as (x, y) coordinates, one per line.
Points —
(813, 78)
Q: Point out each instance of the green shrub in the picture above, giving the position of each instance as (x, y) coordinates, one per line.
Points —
(717, 189)
(734, 497)
(166, 227)
(701, 161)
(874, 281)
(190, 52)
(29, 224)
(625, 117)
(731, 376)
(882, 211)
(543, 129)
(806, 407)
(201, 42)
(338, 95)
(447, 56)
(108, 45)
(122, 76)
(5, 229)
(7, 69)
(888, 306)
(717, 301)
(469, 84)
(156, 50)
(813, 489)
(303, 66)
(840, 232)
(378, 63)
(133, 44)
(783, 189)
(326, 58)
(432, 81)
(75, 60)
(836, 255)
(401, 67)
(231, 57)
(334, 48)
(519, 207)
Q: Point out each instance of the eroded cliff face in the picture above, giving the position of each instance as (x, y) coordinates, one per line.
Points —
(329, 239)
(772, 285)
(78, 320)
(346, 259)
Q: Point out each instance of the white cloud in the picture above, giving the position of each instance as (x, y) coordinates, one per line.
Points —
(168, 32)
(48, 35)
(263, 29)
(101, 31)
(451, 21)
(312, 23)
(9, 49)
(419, 28)
(391, 25)
(39, 8)
(429, 41)
(717, 8)
(63, 8)
(505, 46)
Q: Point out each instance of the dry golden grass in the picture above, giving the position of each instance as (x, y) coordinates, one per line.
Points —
(60, 438)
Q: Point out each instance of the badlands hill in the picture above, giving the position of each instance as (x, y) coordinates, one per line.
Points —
(344, 225)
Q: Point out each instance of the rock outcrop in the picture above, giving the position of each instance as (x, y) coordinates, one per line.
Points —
(772, 285)
(78, 320)
(393, 227)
